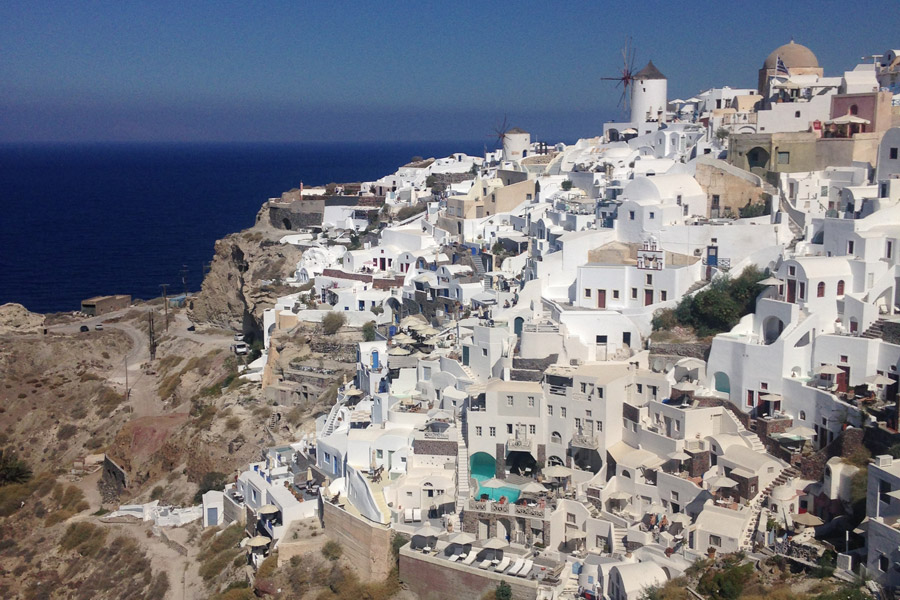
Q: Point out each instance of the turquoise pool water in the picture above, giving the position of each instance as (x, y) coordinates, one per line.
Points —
(482, 468)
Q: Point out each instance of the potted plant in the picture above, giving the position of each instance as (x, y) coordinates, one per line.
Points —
(711, 552)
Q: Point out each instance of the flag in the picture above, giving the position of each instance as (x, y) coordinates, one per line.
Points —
(780, 68)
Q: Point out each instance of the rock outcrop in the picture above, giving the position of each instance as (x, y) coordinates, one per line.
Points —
(245, 278)
(15, 318)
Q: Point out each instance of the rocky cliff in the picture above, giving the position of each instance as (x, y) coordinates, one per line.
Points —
(245, 278)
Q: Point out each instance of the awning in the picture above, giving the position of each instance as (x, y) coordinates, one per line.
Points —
(807, 519)
(847, 120)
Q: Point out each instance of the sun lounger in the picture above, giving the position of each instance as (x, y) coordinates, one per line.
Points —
(469, 559)
(516, 566)
(503, 564)
(484, 564)
(455, 557)
(526, 569)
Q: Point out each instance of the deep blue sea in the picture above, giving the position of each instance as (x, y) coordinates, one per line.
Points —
(83, 220)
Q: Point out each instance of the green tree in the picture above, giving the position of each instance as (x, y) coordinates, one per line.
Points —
(368, 331)
(13, 469)
(503, 591)
(566, 185)
(332, 322)
(213, 480)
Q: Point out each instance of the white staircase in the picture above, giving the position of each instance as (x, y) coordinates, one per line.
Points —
(462, 475)
(746, 541)
(619, 534)
(469, 374)
(755, 443)
(331, 422)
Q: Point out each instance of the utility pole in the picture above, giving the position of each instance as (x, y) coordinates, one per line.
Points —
(165, 303)
(152, 336)
(126, 377)
(184, 270)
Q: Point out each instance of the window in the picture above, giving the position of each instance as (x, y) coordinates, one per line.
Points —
(379, 454)
(509, 400)
(796, 114)
(843, 358)
(599, 425)
(763, 385)
(893, 154)
(556, 438)
(840, 288)
(884, 488)
(634, 293)
(599, 391)
(674, 495)
(631, 215)
(587, 292)
(820, 290)
(884, 563)
(802, 415)
(601, 339)
(649, 279)
(550, 410)
(850, 247)
(792, 270)
(570, 518)
(509, 428)
(663, 295)
(715, 540)
(562, 411)
(652, 214)
(640, 388)
(531, 401)
(577, 423)
(492, 431)
(802, 292)
(626, 474)
(784, 158)
(478, 430)
(889, 250)
(532, 429)
(615, 294)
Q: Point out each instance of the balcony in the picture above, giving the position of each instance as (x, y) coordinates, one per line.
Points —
(519, 444)
(436, 435)
(580, 440)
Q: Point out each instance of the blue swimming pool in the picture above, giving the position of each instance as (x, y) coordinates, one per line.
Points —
(482, 467)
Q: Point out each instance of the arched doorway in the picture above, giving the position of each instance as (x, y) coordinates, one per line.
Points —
(757, 158)
(286, 223)
(772, 328)
(722, 382)
(482, 466)
(517, 325)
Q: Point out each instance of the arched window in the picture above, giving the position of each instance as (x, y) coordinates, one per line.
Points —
(802, 415)
(626, 474)
(854, 109)
(840, 289)
(556, 438)
(820, 290)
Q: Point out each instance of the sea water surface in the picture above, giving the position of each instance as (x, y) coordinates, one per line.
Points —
(84, 220)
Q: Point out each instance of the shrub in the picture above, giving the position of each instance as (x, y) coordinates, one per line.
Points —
(566, 185)
(84, 538)
(332, 550)
(232, 424)
(157, 493)
(66, 431)
(503, 591)
(368, 331)
(332, 322)
(725, 584)
(12, 469)
(213, 480)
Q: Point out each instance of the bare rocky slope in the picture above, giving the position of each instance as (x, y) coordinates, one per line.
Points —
(245, 278)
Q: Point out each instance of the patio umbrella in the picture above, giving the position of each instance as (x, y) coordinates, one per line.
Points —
(398, 352)
(557, 471)
(770, 281)
(407, 321)
(402, 338)
(268, 509)
(491, 483)
(419, 326)
(494, 544)
(533, 487)
(879, 380)
(258, 541)
(722, 482)
(801, 431)
(350, 392)
(309, 475)
(771, 397)
(685, 386)
(462, 538)
(848, 119)
(575, 534)
(679, 455)
(807, 519)
(432, 341)
(427, 531)
(429, 331)
(828, 370)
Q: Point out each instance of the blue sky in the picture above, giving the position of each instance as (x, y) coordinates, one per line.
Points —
(348, 71)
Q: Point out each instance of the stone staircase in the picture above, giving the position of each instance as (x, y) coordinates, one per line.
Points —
(876, 331)
(756, 506)
(755, 443)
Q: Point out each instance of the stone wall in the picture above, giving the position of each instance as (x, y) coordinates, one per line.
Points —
(431, 578)
(114, 479)
(891, 332)
(301, 214)
(366, 545)
(813, 466)
(338, 351)
(734, 192)
(678, 351)
(434, 447)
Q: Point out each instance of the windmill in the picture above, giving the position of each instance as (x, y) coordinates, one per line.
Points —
(626, 78)
(500, 132)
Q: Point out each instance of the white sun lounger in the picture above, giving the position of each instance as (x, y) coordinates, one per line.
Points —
(516, 566)
(469, 559)
(503, 564)
(454, 558)
(525, 571)
(484, 564)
